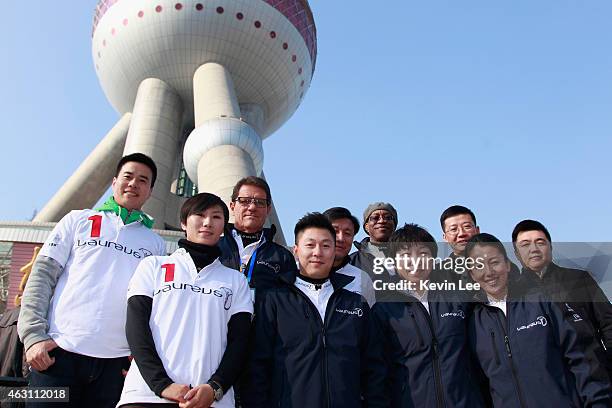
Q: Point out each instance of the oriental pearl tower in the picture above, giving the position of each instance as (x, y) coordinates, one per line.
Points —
(199, 85)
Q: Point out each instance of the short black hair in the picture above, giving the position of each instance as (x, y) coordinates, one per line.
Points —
(200, 203)
(529, 225)
(456, 210)
(252, 181)
(412, 234)
(485, 239)
(139, 158)
(338, 213)
(313, 220)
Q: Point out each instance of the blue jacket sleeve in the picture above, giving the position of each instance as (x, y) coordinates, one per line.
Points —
(602, 313)
(592, 382)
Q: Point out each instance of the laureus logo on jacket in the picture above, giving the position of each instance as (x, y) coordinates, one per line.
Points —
(353, 312)
(275, 267)
(540, 321)
(459, 313)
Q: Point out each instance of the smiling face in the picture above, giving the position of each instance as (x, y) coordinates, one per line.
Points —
(249, 217)
(533, 249)
(493, 275)
(315, 251)
(132, 186)
(345, 232)
(414, 263)
(205, 227)
(380, 225)
(458, 230)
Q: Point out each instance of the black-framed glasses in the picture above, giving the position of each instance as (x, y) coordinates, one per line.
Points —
(246, 201)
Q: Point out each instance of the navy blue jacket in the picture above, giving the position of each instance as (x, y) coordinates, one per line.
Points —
(299, 360)
(580, 291)
(271, 258)
(427, 355)
(534, 357)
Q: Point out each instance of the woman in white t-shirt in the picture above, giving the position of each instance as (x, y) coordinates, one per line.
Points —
(188, 318)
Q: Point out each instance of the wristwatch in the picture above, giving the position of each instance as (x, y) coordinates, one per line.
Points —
(217, 389)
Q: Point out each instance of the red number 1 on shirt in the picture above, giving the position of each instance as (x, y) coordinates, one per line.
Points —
(96, 224)
(169, 277)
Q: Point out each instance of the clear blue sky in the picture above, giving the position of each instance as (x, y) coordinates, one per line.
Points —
(505, 107)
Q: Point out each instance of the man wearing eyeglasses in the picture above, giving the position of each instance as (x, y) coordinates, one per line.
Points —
(379, 222)
(246, 245)
(458, 226)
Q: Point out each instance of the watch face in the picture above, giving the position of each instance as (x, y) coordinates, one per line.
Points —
(218, 394)
(218, 391)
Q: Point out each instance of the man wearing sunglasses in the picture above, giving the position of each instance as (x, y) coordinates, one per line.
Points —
(246, 245)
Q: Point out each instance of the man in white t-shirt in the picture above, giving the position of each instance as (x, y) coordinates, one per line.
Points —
(72, 319)
(188, 318)
(346, 226)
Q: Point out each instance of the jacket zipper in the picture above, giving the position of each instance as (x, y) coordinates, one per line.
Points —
(323, 324)
(436, 358)
(517, 386)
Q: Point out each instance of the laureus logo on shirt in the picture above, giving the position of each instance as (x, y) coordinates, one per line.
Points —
(136, 253)
(539, 321)
(222, 292)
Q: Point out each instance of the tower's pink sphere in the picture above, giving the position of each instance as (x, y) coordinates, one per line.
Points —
(269, 47)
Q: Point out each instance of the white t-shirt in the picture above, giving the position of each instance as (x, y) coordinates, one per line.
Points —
(188, 321)
(362, 284)
(99, 254)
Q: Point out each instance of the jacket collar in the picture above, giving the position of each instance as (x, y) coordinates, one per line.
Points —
(548, 272)
(366, 246)
(337, 280)
(268, 233)
(361, 245)
(344, 262)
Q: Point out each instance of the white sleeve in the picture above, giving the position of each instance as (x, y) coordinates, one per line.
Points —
(61, 240)
(143, 280)
(242, 301)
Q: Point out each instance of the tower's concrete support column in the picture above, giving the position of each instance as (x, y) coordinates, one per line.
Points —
(222, 148)
(214, 94)
(87, 184)
(154, 131)
(279, 238)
